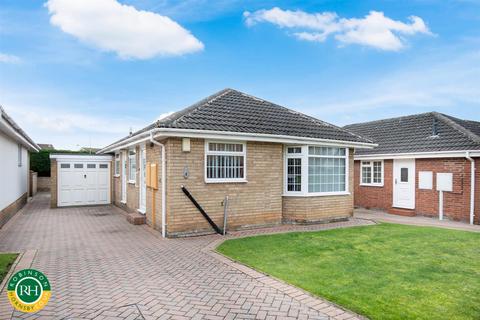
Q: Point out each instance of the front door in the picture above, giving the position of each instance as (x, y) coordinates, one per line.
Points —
(124, 177)
(404, 183)
(143, 184)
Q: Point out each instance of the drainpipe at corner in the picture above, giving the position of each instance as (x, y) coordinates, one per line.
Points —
(472, 187)
(164, 184)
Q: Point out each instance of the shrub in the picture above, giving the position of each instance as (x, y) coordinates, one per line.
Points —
(40, 161)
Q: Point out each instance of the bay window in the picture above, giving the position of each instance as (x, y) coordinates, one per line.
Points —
(371, 173)
(225, 162)
(316, 170)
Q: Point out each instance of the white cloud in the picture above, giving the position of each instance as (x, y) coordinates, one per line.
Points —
(374, 30)
(70, 130)
(129, 32)
(164, 115)
(432, 83)
(9, 58)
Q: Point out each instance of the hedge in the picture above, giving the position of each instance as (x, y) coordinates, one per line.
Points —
(40, 161)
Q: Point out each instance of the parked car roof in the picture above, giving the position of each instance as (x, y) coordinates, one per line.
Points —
(230, 110)
(426, 132)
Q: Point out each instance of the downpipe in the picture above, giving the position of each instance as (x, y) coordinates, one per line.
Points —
(472, 187)
(164, 183)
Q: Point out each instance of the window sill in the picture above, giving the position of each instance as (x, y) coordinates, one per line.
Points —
(324, 194)
(116, 176)
(132, 182)
(227, 181)
(371, 185)
(142, 211)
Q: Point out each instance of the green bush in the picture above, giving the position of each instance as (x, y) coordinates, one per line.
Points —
(40, 161)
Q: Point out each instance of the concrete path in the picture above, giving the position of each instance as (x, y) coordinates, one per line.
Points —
(380, 216)
(101, 267)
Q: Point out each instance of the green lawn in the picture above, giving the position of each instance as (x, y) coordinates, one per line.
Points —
(384, 271)
(6, 260)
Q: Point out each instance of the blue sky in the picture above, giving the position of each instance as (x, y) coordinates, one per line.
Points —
(82, 73)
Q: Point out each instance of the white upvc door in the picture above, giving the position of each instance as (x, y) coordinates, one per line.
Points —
(143, 183)
(124, 177)
(404, 183)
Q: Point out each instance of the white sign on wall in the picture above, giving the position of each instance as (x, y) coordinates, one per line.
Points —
(425, 180)
(445, 182)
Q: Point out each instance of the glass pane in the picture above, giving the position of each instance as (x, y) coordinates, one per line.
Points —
(103, 166)
(294, 174)
(65, 165)
(91, 166)
(225, 167)
(294, 150)
(377, 172)
(78, 165)
(326, 151)
(404, 174)
(326, 174)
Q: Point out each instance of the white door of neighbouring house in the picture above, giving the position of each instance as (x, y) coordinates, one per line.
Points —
(124, 177)
(84, 180)
(143, 183)
(404, 183)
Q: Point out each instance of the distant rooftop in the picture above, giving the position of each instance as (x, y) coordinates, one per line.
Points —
(426, 132)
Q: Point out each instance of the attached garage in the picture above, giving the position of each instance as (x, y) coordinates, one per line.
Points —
(79, 180)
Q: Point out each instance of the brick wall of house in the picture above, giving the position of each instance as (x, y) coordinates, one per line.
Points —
(477, 191)
(8, 212)
(456, 203)
(257, 202)
(53, 183)
(317, 209)
(154, 156)
(371, 196)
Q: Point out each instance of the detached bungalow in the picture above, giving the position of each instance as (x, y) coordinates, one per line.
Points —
(424, 164)
(15, 146)
(275, 165)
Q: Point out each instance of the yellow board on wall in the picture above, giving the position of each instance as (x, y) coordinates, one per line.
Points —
(148, 176)
(153, 176)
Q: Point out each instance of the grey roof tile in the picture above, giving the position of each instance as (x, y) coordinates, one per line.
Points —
(233, 111)
(414, 133)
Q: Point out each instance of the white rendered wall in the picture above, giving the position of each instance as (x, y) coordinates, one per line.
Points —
(13, 179)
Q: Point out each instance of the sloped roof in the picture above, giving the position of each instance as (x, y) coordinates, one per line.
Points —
(415, 133)
(233, 111)
(13, 125)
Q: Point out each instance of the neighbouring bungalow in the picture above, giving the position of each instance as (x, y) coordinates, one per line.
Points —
(15, 146)
(425, 164)
(274, 164)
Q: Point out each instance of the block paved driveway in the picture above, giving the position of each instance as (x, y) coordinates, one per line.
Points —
(101, 267)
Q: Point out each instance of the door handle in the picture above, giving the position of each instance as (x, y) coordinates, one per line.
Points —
(85, 176)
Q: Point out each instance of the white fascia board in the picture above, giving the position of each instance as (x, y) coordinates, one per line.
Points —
(13, 134)
(80, 157)
(242, 136)
(420, 155)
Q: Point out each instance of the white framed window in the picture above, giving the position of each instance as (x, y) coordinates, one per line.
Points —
(371, 173)
(316, 170)
(132, 166)
(20, 156)
(225, 162)
(117, 164)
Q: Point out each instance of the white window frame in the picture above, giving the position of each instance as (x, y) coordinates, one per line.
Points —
(304, 156)
(226, 153)
(372, 184)
(20, 155)
(117, 165)
(130, 166)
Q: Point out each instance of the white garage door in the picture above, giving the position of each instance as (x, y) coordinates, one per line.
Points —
(83, 182)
